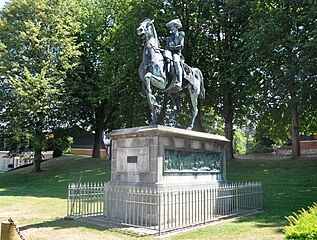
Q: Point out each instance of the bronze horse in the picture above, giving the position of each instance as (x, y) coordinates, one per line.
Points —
(153, 72)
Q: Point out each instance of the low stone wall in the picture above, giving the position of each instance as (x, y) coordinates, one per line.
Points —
(4, 162)
(309, 144)
(88, 152)
(18, 161)
(283, 151)
(307, 148)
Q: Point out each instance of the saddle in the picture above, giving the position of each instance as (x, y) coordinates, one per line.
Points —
(188, 73)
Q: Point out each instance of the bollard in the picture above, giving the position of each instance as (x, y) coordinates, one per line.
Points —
(7, 231)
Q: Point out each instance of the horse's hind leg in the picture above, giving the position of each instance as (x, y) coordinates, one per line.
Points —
(194, 101)
(177, 106)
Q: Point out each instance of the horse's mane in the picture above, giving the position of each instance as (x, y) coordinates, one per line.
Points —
(154, 30)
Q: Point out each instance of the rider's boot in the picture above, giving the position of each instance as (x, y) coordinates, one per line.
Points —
(178, 73)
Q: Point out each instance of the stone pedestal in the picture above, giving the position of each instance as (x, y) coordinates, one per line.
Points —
(160, 154)
(149, 163)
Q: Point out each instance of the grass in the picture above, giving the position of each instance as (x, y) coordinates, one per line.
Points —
(288, 185)
(37, 201)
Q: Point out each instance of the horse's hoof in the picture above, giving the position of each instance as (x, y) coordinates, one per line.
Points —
(190, 128)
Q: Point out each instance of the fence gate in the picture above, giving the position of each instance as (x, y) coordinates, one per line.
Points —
(86, 199)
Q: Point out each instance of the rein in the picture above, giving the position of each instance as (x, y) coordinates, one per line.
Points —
(157, 50)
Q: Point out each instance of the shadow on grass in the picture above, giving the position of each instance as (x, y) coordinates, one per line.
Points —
(61, 223)
(265, 220)
(56, 175)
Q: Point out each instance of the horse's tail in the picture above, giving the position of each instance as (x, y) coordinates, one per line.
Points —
(202, 92)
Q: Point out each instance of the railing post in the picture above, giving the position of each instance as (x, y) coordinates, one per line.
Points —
(7, 231)
(260, 195)
(107, 203)
(205, 204)
(68, 200)
(237, 197)
(159, 212)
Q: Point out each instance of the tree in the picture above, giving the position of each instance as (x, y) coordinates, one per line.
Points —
(217, 29)
(38, 50)
(96, 91)
(284, 46)
(88, 89)
(214, 43)
(105, 92)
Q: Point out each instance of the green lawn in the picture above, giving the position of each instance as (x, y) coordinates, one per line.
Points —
(37, 201)
(288, 185)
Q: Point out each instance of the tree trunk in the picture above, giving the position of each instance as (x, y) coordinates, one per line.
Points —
(97, 143)
(38, 144)
(295, 131)
(98, 133)
(293, 89)
(37, 160)
(228, 115)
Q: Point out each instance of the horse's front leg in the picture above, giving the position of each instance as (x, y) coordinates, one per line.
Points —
(151, 98)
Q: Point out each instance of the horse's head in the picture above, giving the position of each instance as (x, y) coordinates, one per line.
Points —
(145, 30)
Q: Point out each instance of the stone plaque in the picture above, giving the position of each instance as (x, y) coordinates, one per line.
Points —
(126, 156)
(132, 159)
(189, 160)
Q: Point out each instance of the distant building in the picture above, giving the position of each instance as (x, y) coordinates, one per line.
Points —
(84, 142)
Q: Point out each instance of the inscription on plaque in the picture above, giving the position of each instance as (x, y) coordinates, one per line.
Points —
(185, 160)
(132, 159)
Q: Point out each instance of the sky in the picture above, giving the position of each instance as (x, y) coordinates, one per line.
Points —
(2, 2)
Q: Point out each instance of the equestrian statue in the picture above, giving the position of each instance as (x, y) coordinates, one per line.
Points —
(166, 70)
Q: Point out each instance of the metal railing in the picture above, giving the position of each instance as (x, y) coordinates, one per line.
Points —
(86, 199)
(165, 208)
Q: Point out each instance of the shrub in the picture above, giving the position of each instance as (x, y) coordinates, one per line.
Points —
(258, 147)
(59, 144)
(57, 153)
(302, 225)
(239, 141)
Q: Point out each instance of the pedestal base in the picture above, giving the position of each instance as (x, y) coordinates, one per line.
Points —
(159, 154)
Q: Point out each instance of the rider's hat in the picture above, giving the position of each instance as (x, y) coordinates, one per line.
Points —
(176, 22)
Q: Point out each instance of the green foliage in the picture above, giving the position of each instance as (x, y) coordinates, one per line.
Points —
(105, 83)
(258, 142)
(274, 125)
(20, 141)
(302, 225)
(239, 142)
(211, 121)
(258, 147)
(258, 59)
(280, 42)
(58, 142)
(38, 50)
